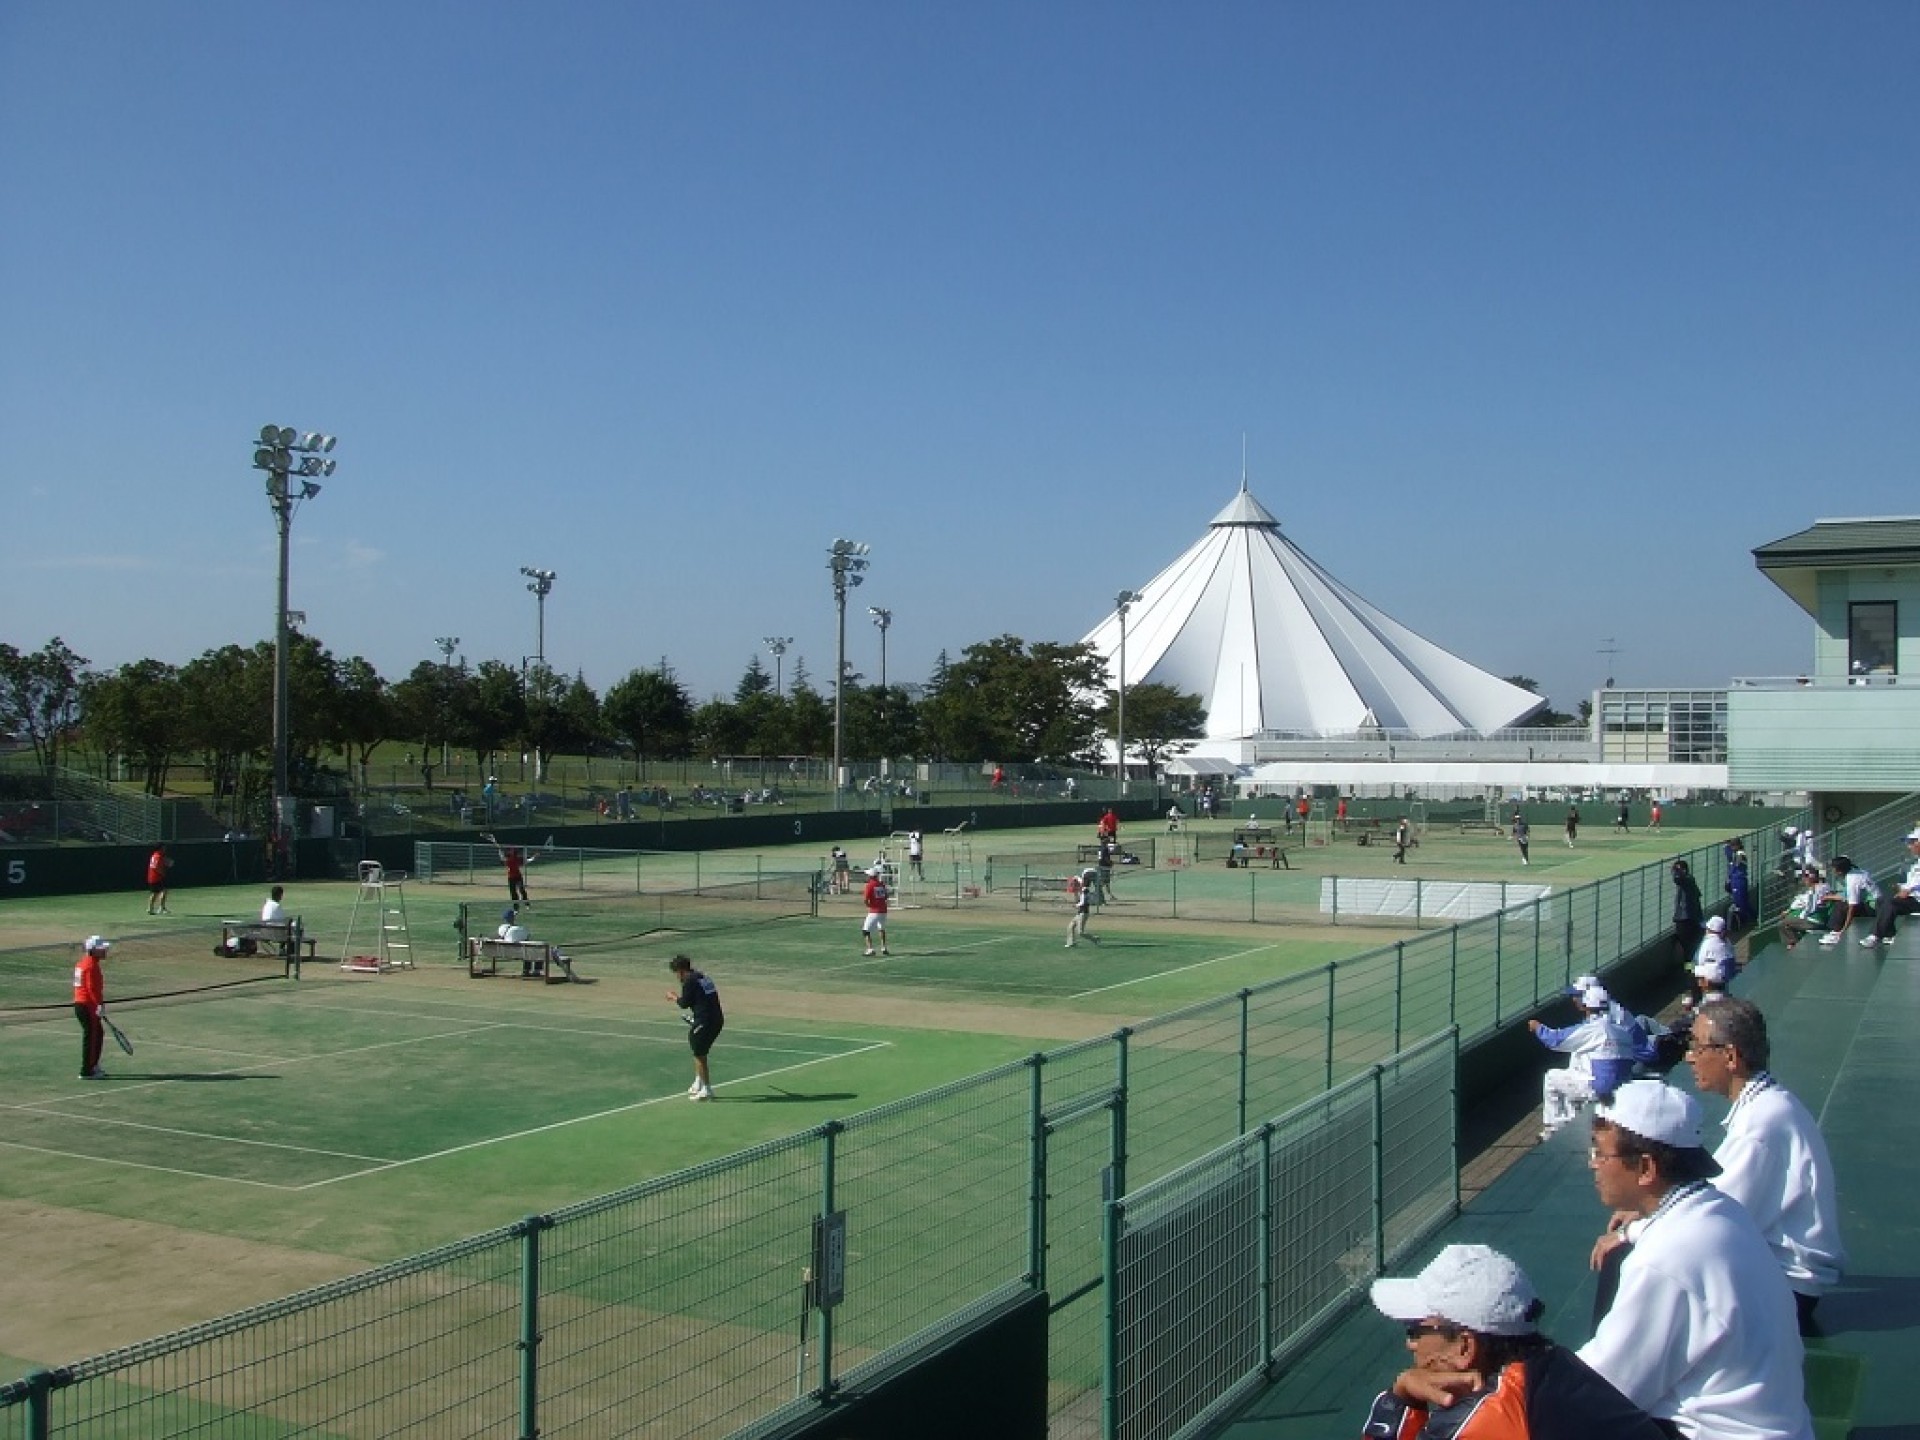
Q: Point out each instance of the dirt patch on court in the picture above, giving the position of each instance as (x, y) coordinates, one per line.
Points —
(915, 1013)
(80, 1284)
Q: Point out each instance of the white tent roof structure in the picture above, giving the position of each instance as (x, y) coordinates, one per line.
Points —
(1272, 642)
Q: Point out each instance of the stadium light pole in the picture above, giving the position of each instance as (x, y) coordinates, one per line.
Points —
(846, 559)
(777, 644)
(284, 453)
(1122, 603)
(540, 582)
(884, 619)
(446, 645)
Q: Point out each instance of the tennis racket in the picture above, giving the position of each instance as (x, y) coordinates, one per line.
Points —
(119, 1035)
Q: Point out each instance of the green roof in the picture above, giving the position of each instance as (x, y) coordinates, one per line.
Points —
(1791, 562)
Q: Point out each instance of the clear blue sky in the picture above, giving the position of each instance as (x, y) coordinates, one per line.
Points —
(1536, 318)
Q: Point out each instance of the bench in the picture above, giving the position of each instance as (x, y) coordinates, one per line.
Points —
(1259, 846)
(537, 960)
(286, 938)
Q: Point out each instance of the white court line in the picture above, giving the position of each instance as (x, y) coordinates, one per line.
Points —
(576, 1120)
(36, 1108)
(495, 1023)
(140, 1165)
(1181, 970)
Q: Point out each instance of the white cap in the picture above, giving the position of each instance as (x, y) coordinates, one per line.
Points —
(1582, 983)
(1656, 1111)
(98, 945)
(1473, 1286)
(1595, 997)
(1717, 924)
(874, 872)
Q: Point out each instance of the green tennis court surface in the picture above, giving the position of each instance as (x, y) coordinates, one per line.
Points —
(308, 1086)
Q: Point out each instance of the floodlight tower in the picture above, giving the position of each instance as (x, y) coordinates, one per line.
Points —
(884, 619)
(777, 645)
(285, 453)
(846, 559)
(446, 645)
(1122, 603)
(540, 582)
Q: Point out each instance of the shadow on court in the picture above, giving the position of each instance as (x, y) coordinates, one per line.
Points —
(786, 1097)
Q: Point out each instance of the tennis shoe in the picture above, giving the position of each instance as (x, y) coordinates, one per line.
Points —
(886, 952)
(700, 1095)
(1869, 942)
(866, 952)
(95, 1074)
(1830, 939)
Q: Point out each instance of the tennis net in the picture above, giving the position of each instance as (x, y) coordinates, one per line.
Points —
(589, 921)
(39, 978)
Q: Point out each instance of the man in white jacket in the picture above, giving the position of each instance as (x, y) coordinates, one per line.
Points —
(1701, 1332)
(1774, 1160)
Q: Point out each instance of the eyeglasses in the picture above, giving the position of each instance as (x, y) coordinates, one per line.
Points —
(1694, 1047)
(1426, 1327)
(1595, 1155)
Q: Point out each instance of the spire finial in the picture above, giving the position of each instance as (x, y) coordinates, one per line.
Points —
(1243, 462)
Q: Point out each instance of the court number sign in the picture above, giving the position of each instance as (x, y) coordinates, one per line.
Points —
(16, 872)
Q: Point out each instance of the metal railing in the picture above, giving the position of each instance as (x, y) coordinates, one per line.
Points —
(682, 1307)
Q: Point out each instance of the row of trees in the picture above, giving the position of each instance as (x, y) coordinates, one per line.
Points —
(1002, 700)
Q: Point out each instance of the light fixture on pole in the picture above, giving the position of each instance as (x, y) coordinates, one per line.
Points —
(884, 619)
(846, 559)
(446, 645)
(285, 453)
(1122, 603)
(540, 582)
(777, 644)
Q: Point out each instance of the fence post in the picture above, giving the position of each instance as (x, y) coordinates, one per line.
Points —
(1331, 965)
(529, 1345)
(1174, 877)
(1419, 899)
(1267, 1278)
(1110, 1348)
(1453, 975)
(1253, 897)
(1538, 906)
(40, 1405)
(1246, 1022)
(1399, 988)
(1119, 1164)
(1499, 958)
(1336, 898)
(1379, 1170)
(1036, 1175)
(827, 1133)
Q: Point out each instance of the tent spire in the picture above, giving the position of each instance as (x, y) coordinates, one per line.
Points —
(1243, 462)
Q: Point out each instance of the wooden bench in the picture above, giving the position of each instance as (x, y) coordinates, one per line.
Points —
(286, 938)
(1258, 846)
(537, 959)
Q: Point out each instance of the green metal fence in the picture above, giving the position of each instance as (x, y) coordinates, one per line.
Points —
(685, 1307)
(1222, 1266)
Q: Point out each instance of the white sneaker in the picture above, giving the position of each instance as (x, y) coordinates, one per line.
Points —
(1870, 942)
(1830, 938)
(694, 1088)
(702, 1094)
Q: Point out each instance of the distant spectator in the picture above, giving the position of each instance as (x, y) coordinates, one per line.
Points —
(1689, 915)
(1901, 899)
(1858, 898)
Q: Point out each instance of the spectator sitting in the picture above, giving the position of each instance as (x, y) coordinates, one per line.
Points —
(1858, 898)
(1901, 899)
(1811, 911)
(1481, 1367)
(273, 912)
(1716, 950)
(1600, 1056)
(512, 929)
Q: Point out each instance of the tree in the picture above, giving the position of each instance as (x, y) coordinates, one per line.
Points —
(493, 710)
(138, 711)
(562, 714)
(719, 729)
(361, 713)
(227, 715)
(1005, 700)
(650, 713)
(40, 697)
(1161, 722)
(755, 682)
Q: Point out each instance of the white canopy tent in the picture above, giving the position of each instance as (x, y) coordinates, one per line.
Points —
(1272, 642)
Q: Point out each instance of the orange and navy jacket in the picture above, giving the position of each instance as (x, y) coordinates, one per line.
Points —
(89, 988)
(1551, 1394)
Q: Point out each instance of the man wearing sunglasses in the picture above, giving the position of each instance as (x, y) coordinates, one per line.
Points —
(1481, 1368)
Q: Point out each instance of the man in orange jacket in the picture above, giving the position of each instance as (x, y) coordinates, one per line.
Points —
(89, 996)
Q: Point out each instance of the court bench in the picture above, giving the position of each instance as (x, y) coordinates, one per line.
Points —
(1258, 846)
(536, 959)
(286, 938)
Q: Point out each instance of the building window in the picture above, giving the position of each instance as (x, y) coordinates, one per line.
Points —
(1872, 637)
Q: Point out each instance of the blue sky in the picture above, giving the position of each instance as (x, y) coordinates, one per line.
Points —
(1536, 318)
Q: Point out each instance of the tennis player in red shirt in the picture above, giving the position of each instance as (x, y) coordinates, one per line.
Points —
(89, 994)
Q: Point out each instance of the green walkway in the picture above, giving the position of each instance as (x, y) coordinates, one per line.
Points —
(1844, 1025)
